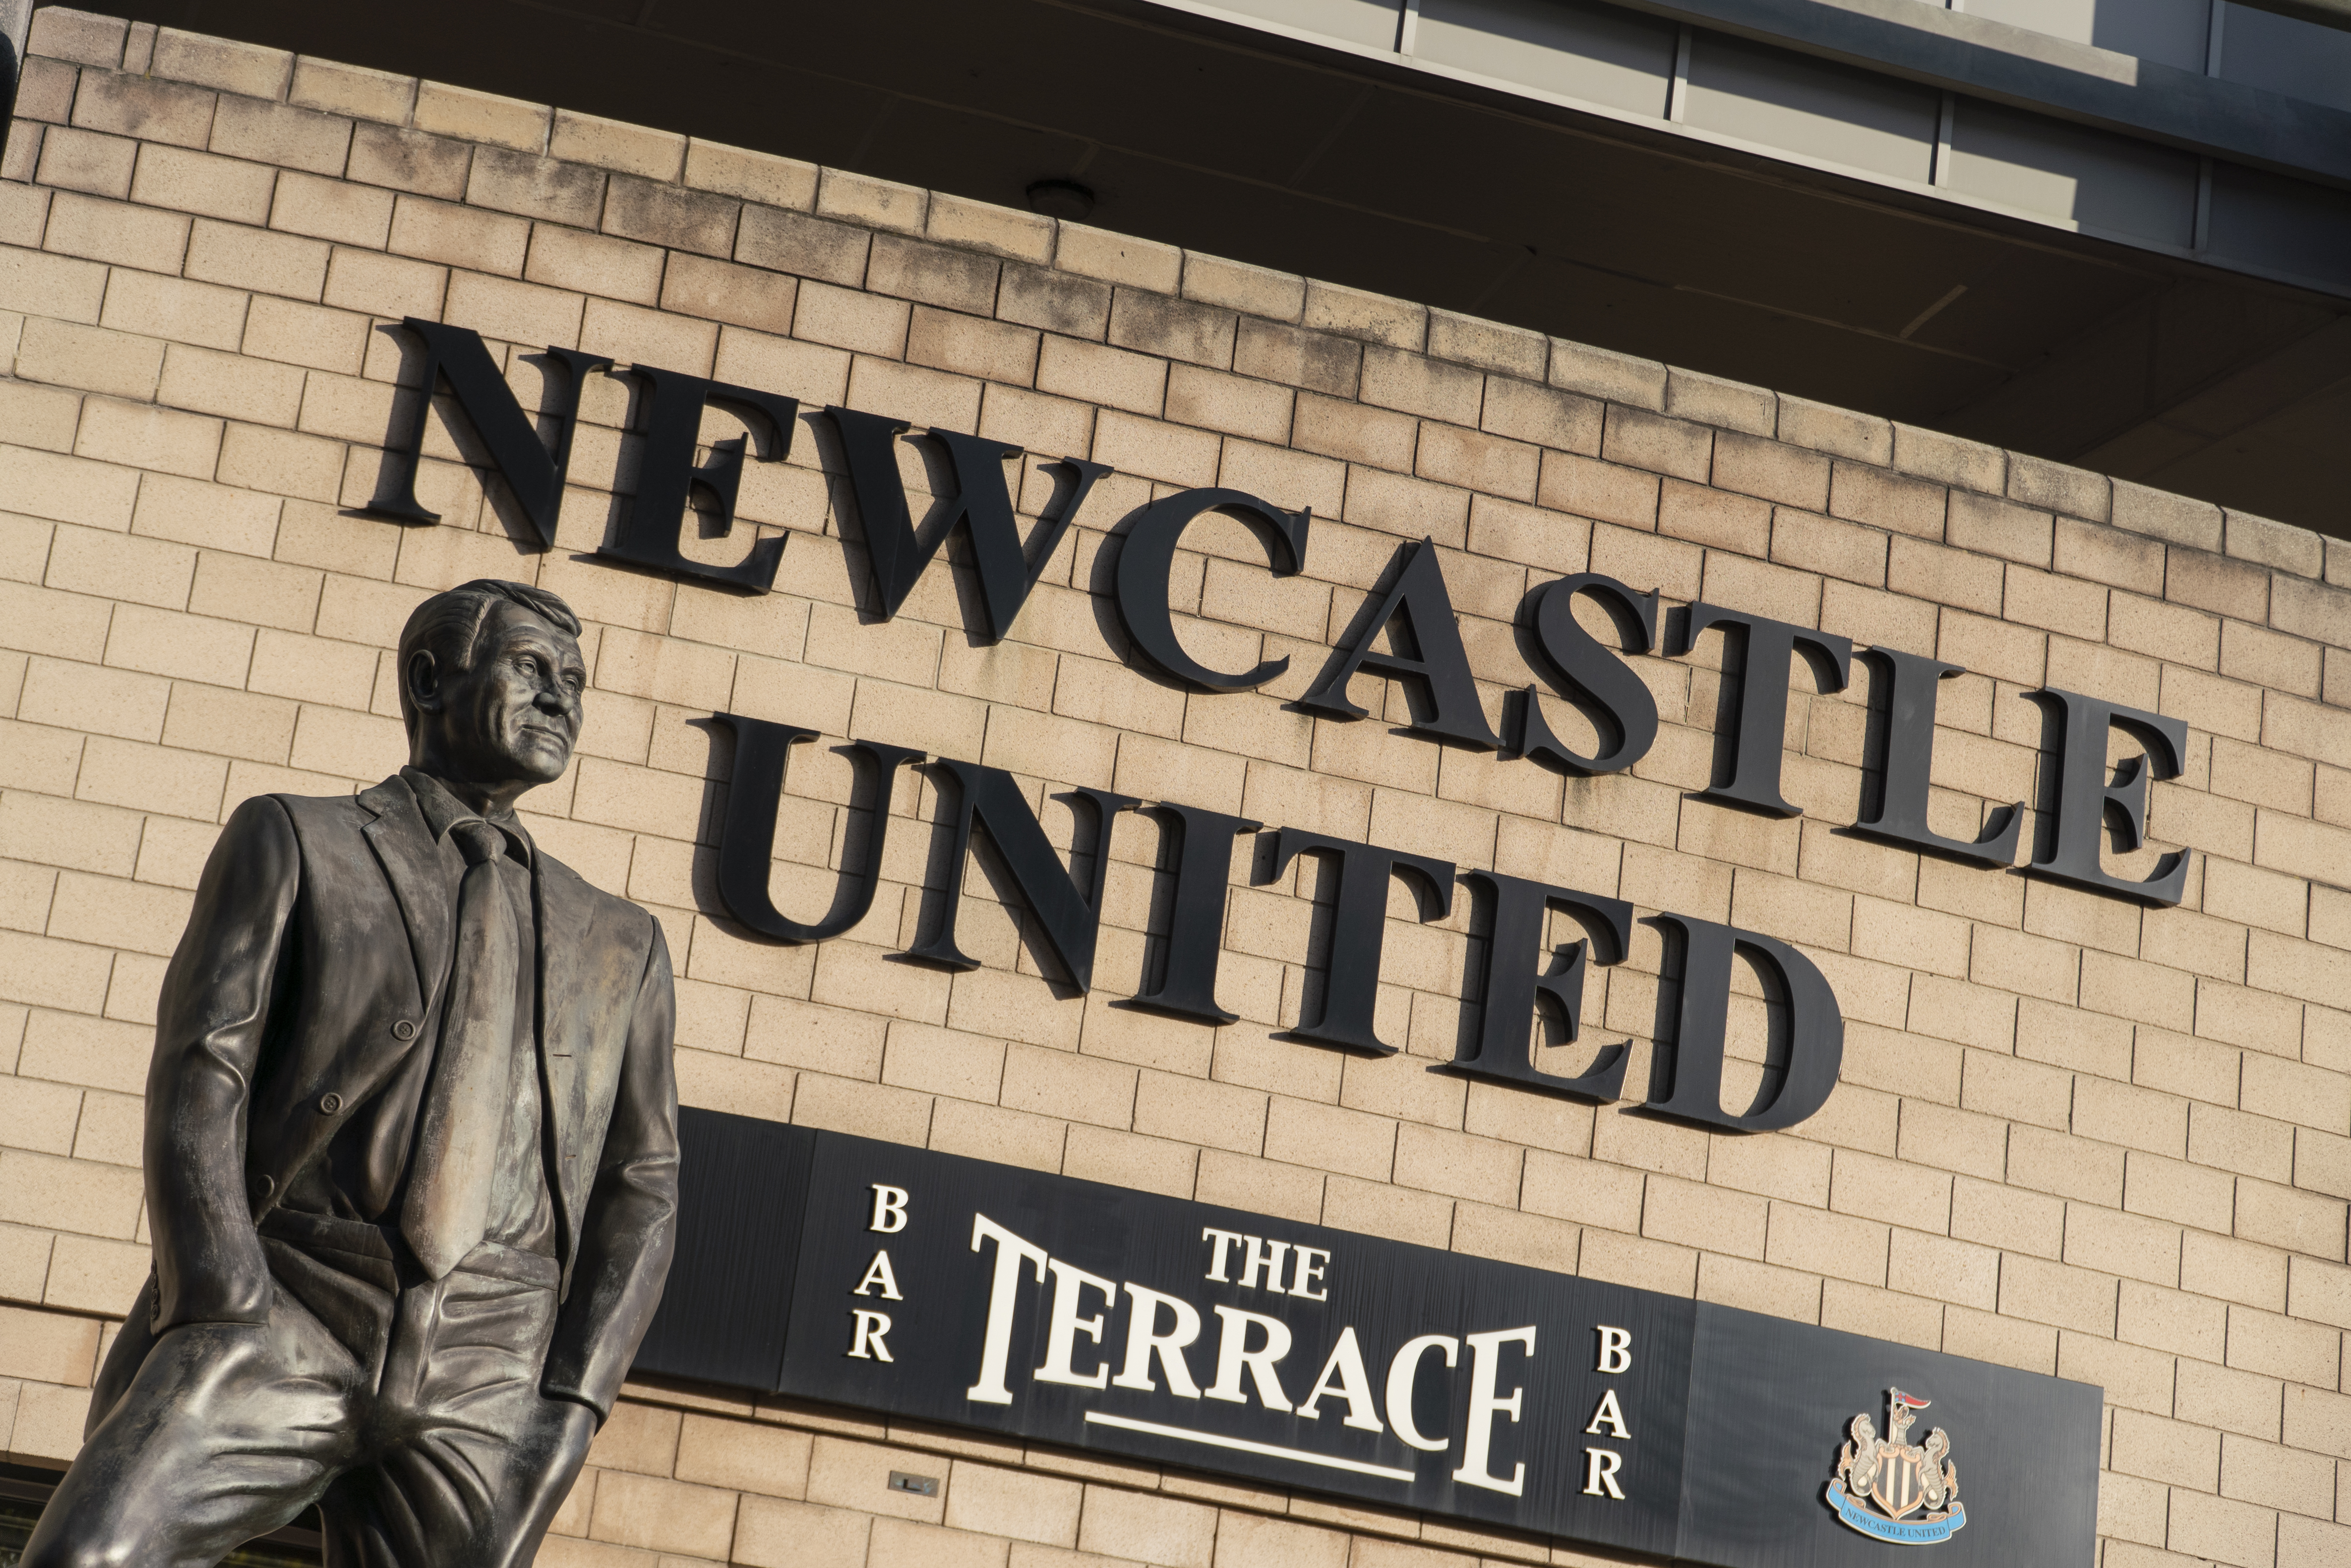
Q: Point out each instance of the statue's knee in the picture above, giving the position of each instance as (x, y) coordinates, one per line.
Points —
(76, 1551)
(97, 1538)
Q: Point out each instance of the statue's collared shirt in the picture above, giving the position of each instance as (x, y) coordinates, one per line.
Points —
(364, 1172)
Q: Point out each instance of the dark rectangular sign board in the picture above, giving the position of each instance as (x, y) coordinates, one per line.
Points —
(943, 1289)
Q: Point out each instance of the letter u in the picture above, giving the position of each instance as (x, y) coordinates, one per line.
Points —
(747, 843)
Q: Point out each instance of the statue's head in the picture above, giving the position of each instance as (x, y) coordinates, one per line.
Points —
(490, 682)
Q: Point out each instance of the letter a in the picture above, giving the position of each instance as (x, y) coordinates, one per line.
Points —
(1435, 661)
(879, 1278)
(1355, 1385)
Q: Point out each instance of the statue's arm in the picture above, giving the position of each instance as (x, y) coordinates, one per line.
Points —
(630, 1228)
(210, 1021)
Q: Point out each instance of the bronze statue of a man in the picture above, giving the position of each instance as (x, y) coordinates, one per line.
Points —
(411, 1157)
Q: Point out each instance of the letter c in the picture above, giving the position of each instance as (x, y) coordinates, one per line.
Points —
(1146, 558)
(1403, 1372)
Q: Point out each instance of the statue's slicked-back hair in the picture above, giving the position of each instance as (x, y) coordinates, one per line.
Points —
(449, 625)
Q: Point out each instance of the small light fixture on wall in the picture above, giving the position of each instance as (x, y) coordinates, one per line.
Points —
(1061, 199)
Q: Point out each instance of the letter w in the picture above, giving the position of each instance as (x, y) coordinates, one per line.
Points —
(535, 476)
(982, 507)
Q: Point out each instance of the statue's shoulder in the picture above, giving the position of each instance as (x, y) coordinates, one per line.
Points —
(319, 818)
(270, 839)
(272, 816)
(607, 911)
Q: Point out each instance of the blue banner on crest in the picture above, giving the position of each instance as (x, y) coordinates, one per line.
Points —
(1900, 1532)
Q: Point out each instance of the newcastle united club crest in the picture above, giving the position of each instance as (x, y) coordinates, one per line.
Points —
(1883, 1486)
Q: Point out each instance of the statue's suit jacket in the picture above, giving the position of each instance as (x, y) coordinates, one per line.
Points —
(317, 956)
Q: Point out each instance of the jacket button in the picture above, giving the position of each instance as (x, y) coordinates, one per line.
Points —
(263, 1186)
(329, 1104)
(404, 1030)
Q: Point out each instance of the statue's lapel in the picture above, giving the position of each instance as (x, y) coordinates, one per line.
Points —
(404, 848)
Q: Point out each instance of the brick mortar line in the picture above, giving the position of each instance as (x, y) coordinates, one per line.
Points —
(1077, 1467)
(1427, 422)
(820, 1075)
(1430, 424)
(554, 119)
(819, 1420)
(1763, 553)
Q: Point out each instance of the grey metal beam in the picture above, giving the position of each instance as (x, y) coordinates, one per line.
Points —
(2325, 13)
(1988, 59)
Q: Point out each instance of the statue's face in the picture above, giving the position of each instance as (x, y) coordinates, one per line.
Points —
(513, 717)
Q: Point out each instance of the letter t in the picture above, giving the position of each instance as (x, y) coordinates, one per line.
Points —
(1358, 930)
(1762, 722)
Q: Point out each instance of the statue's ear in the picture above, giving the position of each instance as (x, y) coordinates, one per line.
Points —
(421, 676)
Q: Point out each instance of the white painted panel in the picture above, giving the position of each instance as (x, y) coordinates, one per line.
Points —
(1591, 52)
(2172, 31)
(2280, 225)
(1810, 107)
(2101, 182)
(1371, 23)
(2300, 59)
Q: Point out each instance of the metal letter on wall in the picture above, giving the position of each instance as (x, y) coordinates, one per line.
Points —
(747, 840)
(1815, 1029)
(1146, 560)
(1513, 987)
(1583, 666)
(1434, 661)
(533, 476)
(1359, 930)
(1067, 919)
(666, 477)
(2086, 802)
(1195, 927)
(1765, 646)
(1913, 683)
(981, 506)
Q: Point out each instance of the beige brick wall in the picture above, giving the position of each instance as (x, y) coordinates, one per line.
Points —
(2073, 1136)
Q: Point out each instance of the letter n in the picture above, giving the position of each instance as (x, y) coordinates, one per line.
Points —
(981, 506)
(533, 476)
(1066, 919)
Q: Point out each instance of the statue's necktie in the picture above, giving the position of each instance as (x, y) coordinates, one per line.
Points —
(455, 1154)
